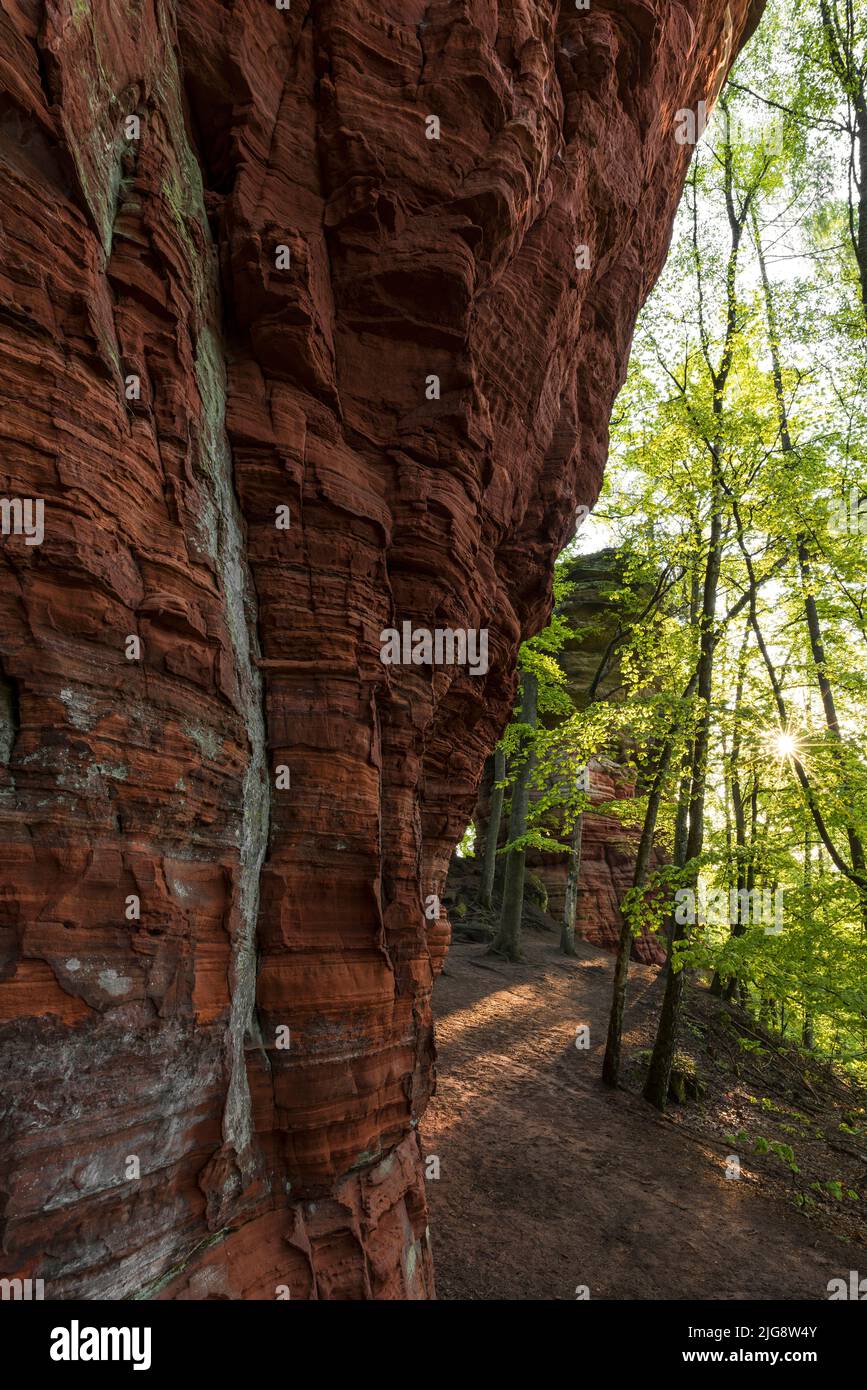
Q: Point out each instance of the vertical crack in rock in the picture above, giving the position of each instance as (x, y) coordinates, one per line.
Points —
(221, 524)
(226, 525)
(10, 717)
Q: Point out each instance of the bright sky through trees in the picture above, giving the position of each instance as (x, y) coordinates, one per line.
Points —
(737, 485)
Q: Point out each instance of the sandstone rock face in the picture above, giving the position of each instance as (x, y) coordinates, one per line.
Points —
(608, 853)
(600, 607)
(591, 663)
(219, 811)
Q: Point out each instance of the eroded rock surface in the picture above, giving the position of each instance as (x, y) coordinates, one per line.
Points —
(218, 1097)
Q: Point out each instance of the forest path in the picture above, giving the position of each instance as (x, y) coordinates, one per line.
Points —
(550, 1181)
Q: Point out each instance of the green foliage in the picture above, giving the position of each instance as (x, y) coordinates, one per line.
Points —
(744, 414)
(740, 1139)
(466, 849)
(746, 397)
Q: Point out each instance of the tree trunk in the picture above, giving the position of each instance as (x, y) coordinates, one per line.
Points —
(508, 939)
(611, 1061)
(811, 613)
(681, 834)
(848, 70)
(498, 791)
(721, 987)
(567, 935)
(807, 1035)
(659, 1072)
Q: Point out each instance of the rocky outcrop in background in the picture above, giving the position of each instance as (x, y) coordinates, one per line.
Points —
(599, 608)
(608, 852)
(231, 261)
(591, 664)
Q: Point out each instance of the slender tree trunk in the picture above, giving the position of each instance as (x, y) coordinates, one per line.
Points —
(807, 1037)
(498, 791)
(727, 805)
(857, 855)
(611, 1062)
(659, 1071)
(848, 70)
(681, 833)
(746, 877)
(681, 815)
(508, 938)
(800, 771)
(728, 988)
(567, 934)
(817, 649)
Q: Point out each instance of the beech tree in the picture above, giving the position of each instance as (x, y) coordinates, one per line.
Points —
(507, 941)
(764, 367)
(497, 771)
(736, 497)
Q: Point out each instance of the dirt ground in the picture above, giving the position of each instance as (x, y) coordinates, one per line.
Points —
(550, 1181)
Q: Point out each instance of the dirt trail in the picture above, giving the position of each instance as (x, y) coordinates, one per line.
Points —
(550, 1181)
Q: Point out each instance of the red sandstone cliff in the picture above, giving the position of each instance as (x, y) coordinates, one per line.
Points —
(156, 1136)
